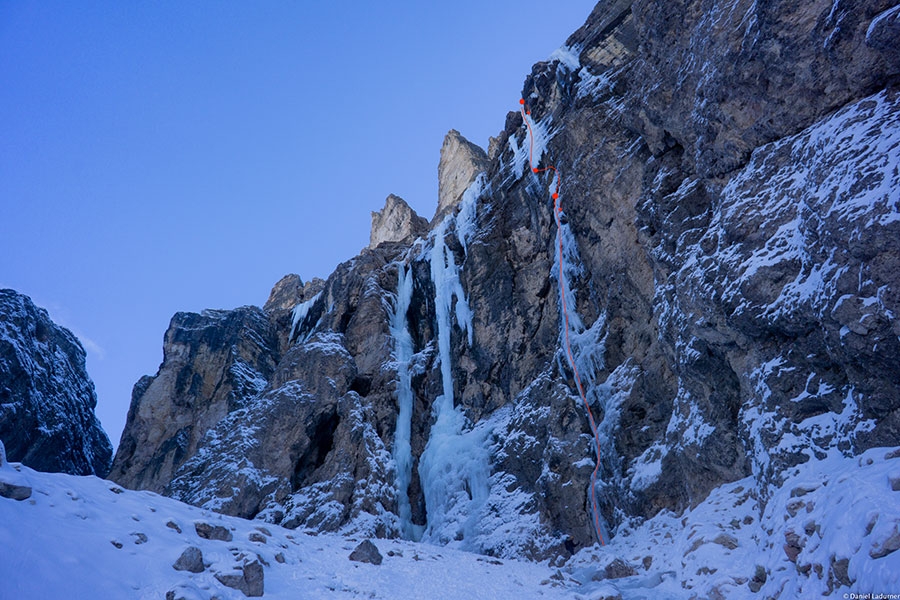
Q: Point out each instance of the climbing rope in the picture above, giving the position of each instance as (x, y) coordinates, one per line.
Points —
(557, 210)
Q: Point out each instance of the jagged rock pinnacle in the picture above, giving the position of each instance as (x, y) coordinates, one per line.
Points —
(461, 161)
(396, 222)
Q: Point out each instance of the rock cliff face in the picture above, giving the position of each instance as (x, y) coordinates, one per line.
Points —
(730, 242)
(212, 364)
(47, 400)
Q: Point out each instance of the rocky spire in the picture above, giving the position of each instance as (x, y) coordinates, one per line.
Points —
(396, 222)
(461, 162)
(285, 294)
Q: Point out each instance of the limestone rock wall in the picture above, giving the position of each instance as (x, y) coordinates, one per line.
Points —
(730, 193)
(47, 400)
(212, 364)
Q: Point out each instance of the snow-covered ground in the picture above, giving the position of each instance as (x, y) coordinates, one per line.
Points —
(834, 526)
(64, 542)
(832, 530)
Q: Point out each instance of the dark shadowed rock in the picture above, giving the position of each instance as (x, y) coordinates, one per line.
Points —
(256, 536)
(888, 545)
(736, 87)
(138, 537)
(760, 576)
(618, 569)
(366, 552)
(882, 35)
(793, 545)
(47, 400)
(184, 592)
(12, 487)
(286, 298)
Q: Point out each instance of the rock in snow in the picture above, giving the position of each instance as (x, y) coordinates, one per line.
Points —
(13, 487)
(367, 552)
(47, 400)
(191, 560)
(213, 532)
(58, 546)
(247, 578)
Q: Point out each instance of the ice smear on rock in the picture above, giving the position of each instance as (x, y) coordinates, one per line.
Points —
(299, 314)
(522, 151)
(588, 348)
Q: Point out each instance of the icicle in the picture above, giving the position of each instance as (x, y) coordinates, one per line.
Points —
(465, 220)
(403, 353)
(454, 466)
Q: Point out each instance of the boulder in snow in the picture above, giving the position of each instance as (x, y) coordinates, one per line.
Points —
(886, 546)
(212, 532)
(12, 484)
(367, 552)
(14, 491)
(248, 579)
(191, 560)
(188, 591)
(618, 569)
(256, 536)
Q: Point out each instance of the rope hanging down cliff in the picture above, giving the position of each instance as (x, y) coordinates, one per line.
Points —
(557, 210)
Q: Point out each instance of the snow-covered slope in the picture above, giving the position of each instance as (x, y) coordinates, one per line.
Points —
(86, 538)
(832, 529)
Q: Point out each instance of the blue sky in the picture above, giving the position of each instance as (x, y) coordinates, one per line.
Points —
(169, 156)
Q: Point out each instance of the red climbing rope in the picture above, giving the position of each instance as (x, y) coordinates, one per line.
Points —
(557, 210)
